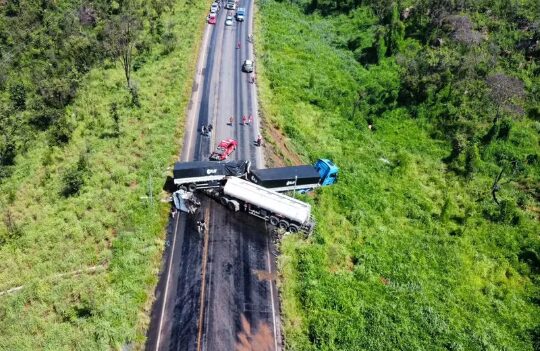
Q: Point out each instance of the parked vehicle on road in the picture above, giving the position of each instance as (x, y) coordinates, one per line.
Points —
(240, 14)
(214, 8)
(212, 18)
(247, 66)
(224, 149)
(229, 21)
(231, 5)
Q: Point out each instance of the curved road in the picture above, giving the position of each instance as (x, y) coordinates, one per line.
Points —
(217, 289)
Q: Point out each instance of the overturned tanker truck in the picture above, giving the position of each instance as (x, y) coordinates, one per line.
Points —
(278, 209)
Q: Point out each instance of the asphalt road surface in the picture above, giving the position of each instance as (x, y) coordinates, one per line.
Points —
(217, 289)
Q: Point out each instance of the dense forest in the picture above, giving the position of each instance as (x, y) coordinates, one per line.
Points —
(432, 110)
(90, 106)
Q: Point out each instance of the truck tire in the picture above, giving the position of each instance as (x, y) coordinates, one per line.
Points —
(224, 201)
(233, 205)
(283, 224)
(293, 228)
(274, 220)
(192, 187)
(183, 188)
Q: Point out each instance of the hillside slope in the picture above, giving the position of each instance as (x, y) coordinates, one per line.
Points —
(411, 250)
(82, 224)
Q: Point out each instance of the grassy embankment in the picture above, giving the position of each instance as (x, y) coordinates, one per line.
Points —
(405, 255)
(87, 263)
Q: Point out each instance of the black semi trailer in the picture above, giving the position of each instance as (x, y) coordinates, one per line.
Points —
(302, 178)
(206, 174)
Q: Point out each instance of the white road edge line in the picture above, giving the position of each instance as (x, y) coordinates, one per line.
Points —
(167, 283)
(272, 294)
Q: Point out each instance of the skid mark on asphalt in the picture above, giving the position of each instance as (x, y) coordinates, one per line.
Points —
(264, 275)
(260, 338)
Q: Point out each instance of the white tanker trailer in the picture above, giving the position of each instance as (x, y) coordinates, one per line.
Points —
(280, 210)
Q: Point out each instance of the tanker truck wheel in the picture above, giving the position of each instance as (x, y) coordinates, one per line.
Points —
(183, 188)
(192, 187)
(293, 228)
(274, 220)
(283, 224)
(233, 205)
(224, 201)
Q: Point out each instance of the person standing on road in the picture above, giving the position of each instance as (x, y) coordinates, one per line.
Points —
(259, 140)
(238, 45)
(231, 119)
(250, 120)
(244, 119)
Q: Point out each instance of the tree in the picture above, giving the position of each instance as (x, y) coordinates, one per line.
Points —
(504, 91)
(122, 32)
(382, 8)
(395, 32)
(17, 95)
(462, 29)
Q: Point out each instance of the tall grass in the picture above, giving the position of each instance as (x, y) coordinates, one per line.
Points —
(111, 223)
(405, 255)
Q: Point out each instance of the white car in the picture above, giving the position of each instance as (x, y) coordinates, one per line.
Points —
(229, 21)
(247, 66)
(214, 8)
(231, 5)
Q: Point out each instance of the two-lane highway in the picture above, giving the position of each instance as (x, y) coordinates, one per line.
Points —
(217, 289)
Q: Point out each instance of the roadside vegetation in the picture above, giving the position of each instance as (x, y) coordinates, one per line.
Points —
(92, 99)
(430, 239)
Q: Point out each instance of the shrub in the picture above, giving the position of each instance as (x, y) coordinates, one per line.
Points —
(73, 179)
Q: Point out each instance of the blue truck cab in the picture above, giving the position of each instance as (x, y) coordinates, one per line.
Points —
(327, 170)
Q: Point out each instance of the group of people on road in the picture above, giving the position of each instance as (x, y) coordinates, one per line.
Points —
(247, 120)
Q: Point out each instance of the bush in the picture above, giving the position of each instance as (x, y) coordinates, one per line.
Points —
(472, 160)
(73, 179)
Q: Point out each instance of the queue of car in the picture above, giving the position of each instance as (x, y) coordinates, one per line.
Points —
(229, 20)
(227, 146)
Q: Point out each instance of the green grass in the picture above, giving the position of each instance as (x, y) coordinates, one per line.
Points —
(108, 224)
(404, 256)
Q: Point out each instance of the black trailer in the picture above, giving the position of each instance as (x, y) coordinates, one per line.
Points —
(286, 178)
(206, 174)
